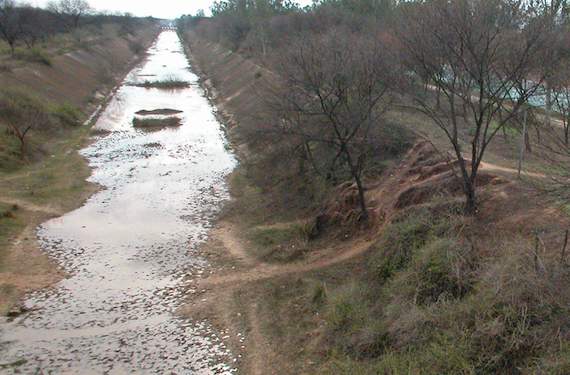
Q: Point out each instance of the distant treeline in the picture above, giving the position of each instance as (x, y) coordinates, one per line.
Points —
(24, 24)
(257, 25)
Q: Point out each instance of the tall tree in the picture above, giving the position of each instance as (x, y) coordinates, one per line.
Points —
(10, 23)
(71, 10)
(334, 90)
(485, 57)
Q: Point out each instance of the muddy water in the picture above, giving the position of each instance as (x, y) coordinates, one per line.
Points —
(132, 248)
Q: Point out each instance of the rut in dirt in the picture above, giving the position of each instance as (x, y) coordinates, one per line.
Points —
(131, 250)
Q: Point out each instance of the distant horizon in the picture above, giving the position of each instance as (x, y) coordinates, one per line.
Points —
(166, 9)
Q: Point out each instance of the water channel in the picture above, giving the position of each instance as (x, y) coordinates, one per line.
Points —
(132, 250)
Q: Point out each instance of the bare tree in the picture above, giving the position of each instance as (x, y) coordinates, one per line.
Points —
(333, 92)
(35, 24)
(485, 57)
(22, 113)
(10, 29)
(72, 10)
(562, 106)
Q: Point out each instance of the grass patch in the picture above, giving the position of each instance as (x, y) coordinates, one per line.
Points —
(405, 235)
(156, 122)
(11, 224)
(58, 180)
(10, 159)
(34, 55)
(67, 114)
(283, 242)
(167, 84)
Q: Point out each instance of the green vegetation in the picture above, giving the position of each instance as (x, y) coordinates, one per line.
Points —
(10, 225)
(22, 113)
(166, 84)
(283, 242)
(433, 312)
(34, 55)
(67, 114)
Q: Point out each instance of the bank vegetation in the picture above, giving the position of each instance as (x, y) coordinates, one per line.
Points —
(402, 123)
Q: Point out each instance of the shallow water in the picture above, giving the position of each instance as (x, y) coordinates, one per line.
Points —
(132, 249)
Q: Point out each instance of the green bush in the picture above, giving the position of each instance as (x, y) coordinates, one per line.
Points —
(400, 240)
(35, 55)
(166, 84)
(444, 356)
(440, 271)
(353, 325)
(67, 114)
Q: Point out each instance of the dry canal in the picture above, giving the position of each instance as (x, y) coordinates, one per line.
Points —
(132, 249)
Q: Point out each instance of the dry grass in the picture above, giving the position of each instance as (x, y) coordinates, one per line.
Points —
(166, 84)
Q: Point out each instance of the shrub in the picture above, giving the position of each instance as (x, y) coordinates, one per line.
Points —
(353, 325)
(22, 113)
(282, 242)
(347, 308)
(35, 55)
(67, 114)
(319, 294)
(441, 271)
(136, 47)
(169, 83)
(397, 245)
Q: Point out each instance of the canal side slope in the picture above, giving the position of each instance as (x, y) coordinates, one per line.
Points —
(423, 289)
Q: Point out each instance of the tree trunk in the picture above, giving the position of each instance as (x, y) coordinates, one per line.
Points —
(22, 148)
(548, 106)
(468, 183)
(470, 199)
(361, 198)
(438, 98)
(566, 130)
(355, 171)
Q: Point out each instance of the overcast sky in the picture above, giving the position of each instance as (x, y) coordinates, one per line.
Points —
(156, 8)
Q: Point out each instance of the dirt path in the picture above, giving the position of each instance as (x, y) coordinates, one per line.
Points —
(262, 271)
(216, 301)
(497, 168)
